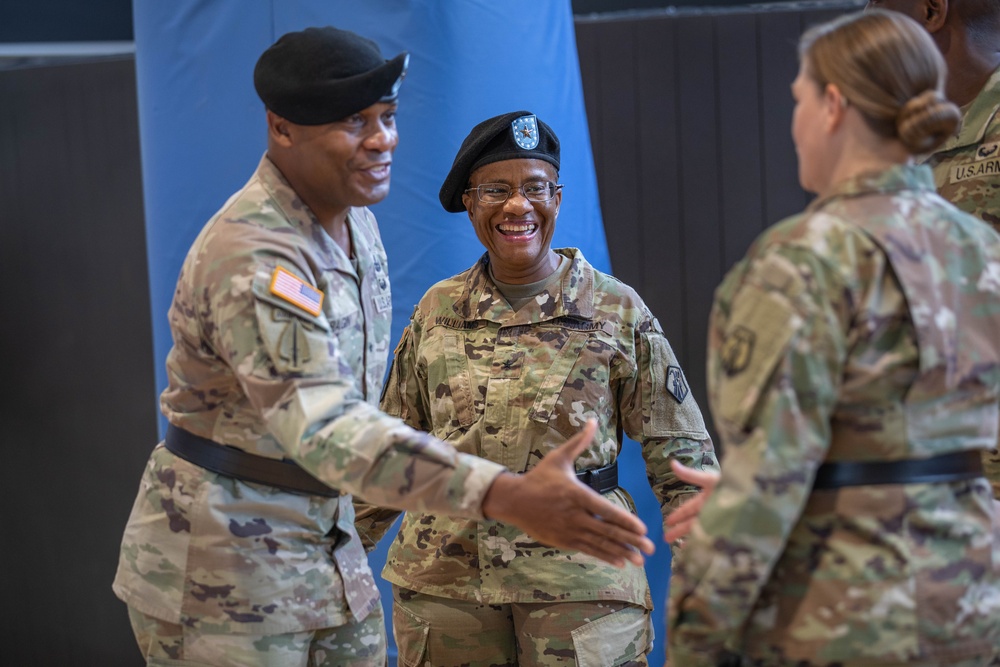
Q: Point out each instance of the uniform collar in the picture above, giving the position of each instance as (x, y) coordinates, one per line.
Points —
(894, 179)
(301, 217)
(977, 117)
(573, 296)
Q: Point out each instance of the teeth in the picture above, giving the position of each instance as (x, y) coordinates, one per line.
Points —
(516, 228)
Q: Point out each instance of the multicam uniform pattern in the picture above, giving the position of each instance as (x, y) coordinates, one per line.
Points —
(863, 329)
(511, 386)
(254, 371)
(967, 173)
(967, 166)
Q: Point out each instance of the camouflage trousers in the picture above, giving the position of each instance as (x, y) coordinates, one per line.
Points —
(433, 631)
(354, 645)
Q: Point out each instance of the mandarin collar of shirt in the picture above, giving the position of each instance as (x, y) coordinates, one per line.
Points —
(301, 217)
(573, 296)
(896, 178)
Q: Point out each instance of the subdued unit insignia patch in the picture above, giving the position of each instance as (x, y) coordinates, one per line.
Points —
(291, 288)
(987, 150)
(676, 384)
(293, 346)
(737, 350)
(525, 132)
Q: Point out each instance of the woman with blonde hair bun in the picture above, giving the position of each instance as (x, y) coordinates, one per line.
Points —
(854, 375)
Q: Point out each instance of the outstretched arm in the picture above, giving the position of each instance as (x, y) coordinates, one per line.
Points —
(551, 505)
(679, 521)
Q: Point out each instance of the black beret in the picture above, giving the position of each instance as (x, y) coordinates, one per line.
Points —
(321, 75)
(517, 135)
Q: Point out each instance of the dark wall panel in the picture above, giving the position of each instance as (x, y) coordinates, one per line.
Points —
(703, 96)
(740, 141)
(79, 408)
(661, 249)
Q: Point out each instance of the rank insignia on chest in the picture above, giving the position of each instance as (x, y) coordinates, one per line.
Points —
(525, 132)
(288, 286)
(677, 386)
(737, 350)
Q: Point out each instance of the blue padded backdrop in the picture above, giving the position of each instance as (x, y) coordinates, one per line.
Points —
(202, 132)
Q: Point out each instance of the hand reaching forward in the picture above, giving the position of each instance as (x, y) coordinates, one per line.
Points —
(551, 505)
(681, 520)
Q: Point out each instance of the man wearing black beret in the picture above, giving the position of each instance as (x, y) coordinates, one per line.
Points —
(505, 360)
(241, 547)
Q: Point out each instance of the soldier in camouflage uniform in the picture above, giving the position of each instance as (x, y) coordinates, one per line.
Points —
(503, 361)
(967, 166)
(240, 550)
(854, 371)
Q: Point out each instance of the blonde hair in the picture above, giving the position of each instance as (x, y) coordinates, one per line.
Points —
(886, 66)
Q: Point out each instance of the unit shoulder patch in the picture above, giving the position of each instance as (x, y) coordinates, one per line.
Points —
(677, 385)
(737, 350)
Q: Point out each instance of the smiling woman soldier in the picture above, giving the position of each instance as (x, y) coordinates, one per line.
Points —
(503, 360)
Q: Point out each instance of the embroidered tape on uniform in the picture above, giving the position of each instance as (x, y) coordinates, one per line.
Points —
(294, 290)
(975, 169)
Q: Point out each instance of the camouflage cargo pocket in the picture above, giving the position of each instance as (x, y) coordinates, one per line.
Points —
(410, 633)
(621, 638)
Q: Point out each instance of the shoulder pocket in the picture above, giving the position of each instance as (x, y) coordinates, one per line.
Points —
(666, 394)
(295, 339)
(761, 325)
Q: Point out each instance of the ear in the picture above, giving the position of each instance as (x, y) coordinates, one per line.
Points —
(279, 129)
(835, 106)
(934, 14)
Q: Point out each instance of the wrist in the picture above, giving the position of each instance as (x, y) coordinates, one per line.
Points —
(498, 498)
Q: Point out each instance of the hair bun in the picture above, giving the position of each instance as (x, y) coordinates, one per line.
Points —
(927, 121)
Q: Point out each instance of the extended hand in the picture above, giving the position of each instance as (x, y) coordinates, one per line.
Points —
(551, 505)
(681, 520)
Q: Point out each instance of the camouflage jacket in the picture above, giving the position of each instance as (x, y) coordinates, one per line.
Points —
(279, 372)
(512, 386)
(862, 329)
(967, 166)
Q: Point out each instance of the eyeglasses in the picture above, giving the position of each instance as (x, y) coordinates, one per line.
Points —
(498, 193)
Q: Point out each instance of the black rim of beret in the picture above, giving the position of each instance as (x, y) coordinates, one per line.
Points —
(306, 77)
(470, 155)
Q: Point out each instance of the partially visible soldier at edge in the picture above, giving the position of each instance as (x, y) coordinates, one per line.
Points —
(504, 360)
(853, 373)
(241, 548)
(967, 166)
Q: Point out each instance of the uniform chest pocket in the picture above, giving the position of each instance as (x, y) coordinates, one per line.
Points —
(576, 385)
(457, 366)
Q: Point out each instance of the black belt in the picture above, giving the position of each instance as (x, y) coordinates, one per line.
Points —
(232, 462)
(951, 467)
(601, 480)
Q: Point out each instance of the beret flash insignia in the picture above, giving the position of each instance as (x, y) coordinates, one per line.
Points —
(525, 132)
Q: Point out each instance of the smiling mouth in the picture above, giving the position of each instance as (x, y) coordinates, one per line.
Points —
(377, 172)
(517, 229)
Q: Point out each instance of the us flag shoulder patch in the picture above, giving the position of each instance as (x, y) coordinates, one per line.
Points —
(294, 290)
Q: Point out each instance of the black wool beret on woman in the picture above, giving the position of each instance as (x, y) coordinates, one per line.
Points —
(517, 135)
